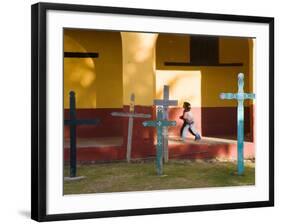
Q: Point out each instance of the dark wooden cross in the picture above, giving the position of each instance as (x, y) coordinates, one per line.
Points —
(159, 123)
(165, 103)
(73, 122)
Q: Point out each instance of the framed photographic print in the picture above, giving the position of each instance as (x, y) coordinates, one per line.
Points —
(138, 111)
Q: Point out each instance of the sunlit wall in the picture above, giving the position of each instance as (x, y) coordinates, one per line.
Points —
(97, 82)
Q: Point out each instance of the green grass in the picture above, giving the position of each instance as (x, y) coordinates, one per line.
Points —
(141, 176)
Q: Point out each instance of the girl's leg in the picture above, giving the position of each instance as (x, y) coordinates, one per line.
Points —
(182, 127)
(185, 130)
(194, 132)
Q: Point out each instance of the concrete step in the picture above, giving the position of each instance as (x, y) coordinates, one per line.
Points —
(114, 149)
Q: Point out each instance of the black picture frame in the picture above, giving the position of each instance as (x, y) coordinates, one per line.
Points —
(39, 122)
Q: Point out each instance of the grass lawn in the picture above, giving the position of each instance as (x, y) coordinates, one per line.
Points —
(141, 176)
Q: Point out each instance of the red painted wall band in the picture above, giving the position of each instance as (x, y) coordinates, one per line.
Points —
(209, 121)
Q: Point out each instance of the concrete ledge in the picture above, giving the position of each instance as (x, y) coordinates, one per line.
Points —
(206, 148)
(74, 178)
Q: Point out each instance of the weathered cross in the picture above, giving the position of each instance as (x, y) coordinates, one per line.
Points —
(240, 96)
(131, 114)
(159, 123)
(165, 102)
(73, 122)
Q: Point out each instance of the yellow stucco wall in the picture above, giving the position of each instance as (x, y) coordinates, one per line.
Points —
(172, 48)
(139, 67)
(201, 85)
(134, 63)
(178, 82)
(96, 81)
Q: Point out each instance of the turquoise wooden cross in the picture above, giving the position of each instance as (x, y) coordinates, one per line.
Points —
(165, 102)
(159, 123)
(131, 115)
(240, 96)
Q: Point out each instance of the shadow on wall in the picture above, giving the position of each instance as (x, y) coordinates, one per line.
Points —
(138, 67)
(97, 82)
(79, 75)
(99, 85)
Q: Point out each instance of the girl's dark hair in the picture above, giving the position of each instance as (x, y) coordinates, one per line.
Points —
(186, 105)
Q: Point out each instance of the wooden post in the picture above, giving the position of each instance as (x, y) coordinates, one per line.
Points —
(72, 113)
(129, 139)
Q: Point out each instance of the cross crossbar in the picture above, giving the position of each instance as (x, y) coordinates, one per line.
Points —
(128, 114)
(81, 122)
(237, 96)
(159, 123)
(165, 103)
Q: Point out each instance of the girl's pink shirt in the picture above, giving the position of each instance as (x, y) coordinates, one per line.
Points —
(188, 117)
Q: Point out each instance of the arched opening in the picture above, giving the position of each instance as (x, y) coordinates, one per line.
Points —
(97, 79)
(184, 82)
(93, 70)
